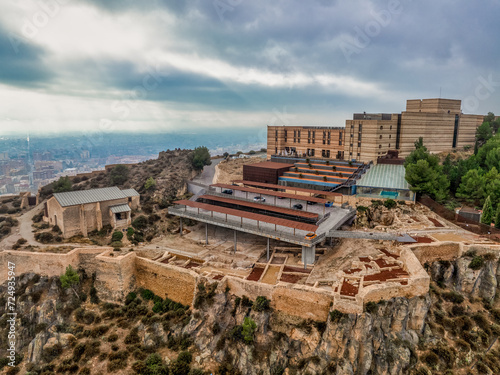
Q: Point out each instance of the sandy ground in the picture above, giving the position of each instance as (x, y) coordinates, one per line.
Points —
(230, 170)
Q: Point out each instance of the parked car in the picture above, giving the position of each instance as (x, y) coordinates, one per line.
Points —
(281, 198)
(329, 204)
(311, 203)
(310, 236)
(297, 206)
(259, 199)
(227, 191)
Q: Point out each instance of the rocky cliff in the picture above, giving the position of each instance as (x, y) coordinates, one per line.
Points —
(452, 330)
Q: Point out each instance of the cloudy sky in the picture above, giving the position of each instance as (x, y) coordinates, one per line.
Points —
(161, 65)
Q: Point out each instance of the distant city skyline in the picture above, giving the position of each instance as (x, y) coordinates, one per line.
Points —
(97, 67)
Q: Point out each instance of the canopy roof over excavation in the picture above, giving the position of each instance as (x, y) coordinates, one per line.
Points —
(249, 215)
(266, 207)
(274, 186)
(270, 192)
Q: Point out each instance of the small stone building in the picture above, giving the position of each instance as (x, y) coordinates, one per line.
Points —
(80, 212)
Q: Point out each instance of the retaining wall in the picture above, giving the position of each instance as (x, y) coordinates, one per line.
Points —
(165, 280)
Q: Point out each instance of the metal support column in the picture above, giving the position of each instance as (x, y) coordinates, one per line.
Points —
(304, 259)
(180, 226)
(235, 242)
(206, 233)
(267, 248)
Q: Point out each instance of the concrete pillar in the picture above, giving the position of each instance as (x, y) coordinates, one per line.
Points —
(206, 233)
(180, 226)
(235, 243)
(267, 248)
(308, 255)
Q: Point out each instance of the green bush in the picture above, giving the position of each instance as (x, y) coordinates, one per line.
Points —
(200, 157)
(261, 304)
(117, 236)
(477, 263)
(44, 237)
(336, 315)
(248, 329)
(119, 175)
(140, 222)
(453, 297)
(390, 204)
(147, 294)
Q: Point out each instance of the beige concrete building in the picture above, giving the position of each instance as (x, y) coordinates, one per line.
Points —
(312, 141)
(368, 136)
(80, 212)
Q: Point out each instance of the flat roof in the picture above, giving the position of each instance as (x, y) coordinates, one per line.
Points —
(249, 215)
(267, 207)
(385, 176)
(269, 165)
(272, 193)
(274, 186)
(329, 166)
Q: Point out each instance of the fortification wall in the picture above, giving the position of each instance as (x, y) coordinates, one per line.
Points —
(115, 276)
(166, 280)
(251, 289)
(48, 264)
(302, 301)
(438, 251)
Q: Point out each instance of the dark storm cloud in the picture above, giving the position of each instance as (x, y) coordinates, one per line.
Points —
(22, 63)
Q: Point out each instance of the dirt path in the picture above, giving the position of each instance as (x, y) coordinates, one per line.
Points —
(23, 230)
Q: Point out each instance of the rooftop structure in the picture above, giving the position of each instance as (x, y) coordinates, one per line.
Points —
(385, 181)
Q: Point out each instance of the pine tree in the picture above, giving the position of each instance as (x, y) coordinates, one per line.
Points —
(488, 212)
(497, 217)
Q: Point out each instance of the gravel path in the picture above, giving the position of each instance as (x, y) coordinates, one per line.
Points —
(23, 230)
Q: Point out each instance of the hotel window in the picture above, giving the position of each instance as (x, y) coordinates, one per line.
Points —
(286, 133)
(379, 146)
(358, 154)
(324, 142)
(359, 144)
(390, 136)
(380, 136)
(381, 127)
(352, 126)
(328, 141)
(359, 137)
(389, 145)
(352, 135)
(295, 133)
(276, 150)
(308, 134)
(308, 140)
(390, 128)
(276, 133)
(314, 141)
(360, 127)
(328, 135)
(314, 133)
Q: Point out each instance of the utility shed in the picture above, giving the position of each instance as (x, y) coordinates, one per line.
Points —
(385, 181)
(267, 171)
(82, 211)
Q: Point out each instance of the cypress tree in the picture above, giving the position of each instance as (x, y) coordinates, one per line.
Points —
(488, 212)
(497, 217)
